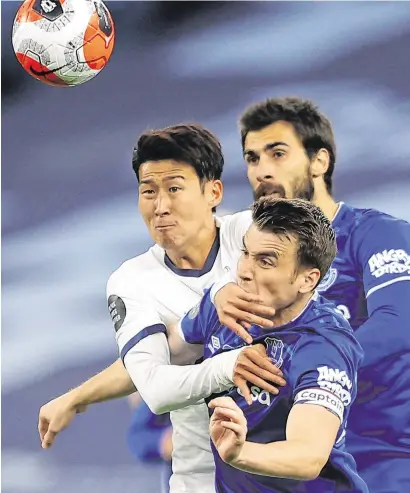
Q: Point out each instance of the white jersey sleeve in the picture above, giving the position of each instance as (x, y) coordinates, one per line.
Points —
(133, 313)
(165, 387)
(235, 227)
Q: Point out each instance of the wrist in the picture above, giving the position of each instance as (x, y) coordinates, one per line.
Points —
(238, 458)
(75, 399)
(218, 286)
(228, 362)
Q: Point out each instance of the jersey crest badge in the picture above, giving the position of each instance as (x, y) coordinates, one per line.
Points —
(274, 349)
(328, 280)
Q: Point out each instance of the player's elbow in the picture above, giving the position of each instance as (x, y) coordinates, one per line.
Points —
(311, 468)
(158, 404)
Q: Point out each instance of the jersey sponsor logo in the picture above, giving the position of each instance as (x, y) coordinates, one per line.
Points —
(274, 349)
(258, 395)
(335, 381)
(117, 310)
(389, 262)
(328, 280)
(322, 398)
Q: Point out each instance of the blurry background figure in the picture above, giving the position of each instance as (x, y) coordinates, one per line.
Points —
(69, 214)
(149, 438)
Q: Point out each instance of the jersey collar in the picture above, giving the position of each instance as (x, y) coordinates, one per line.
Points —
(209, 263)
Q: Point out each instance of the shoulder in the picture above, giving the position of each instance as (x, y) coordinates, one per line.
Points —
(134, 273)
(322, 312)
(327, 325)
(374, 221)
(233, 224)
(235, 218)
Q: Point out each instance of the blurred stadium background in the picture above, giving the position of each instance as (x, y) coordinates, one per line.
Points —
(69, 195)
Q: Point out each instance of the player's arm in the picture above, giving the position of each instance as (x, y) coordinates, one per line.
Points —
(310, 435)
(133, 318)
(323, 377)
(56, 415)
(165, 387)
(382, 252)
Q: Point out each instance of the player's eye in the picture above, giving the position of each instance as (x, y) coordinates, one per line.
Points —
(277, 154)
(245, 253)
(147, 192)
(174, 189)
(251, 158)
(264, 262)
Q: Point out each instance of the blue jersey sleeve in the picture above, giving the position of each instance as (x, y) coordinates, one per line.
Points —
(324, 373)
(199, 321)
(382, 251)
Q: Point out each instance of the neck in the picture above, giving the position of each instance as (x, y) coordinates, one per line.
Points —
(325, 201)
(194, 254)
(286, 315)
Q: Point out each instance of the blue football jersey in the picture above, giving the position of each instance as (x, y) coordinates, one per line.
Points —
(319, 357)
(370, 278)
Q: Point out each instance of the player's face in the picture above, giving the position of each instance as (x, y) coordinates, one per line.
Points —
(174, 205)
(268, 267)
(277, 163)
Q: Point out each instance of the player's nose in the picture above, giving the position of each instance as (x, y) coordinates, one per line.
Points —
(162, 204)
(245, 273)
(265, 170)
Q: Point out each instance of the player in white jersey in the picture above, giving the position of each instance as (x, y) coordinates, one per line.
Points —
(148, 293)
(178, 171)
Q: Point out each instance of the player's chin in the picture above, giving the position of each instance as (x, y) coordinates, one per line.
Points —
(165, 240)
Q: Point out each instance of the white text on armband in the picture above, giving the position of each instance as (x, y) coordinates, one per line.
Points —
(389, 262)
(322, 398)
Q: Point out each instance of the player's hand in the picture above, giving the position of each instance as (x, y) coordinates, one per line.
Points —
(55, 416)
(227, 428)
(253, 365)
(238, 310)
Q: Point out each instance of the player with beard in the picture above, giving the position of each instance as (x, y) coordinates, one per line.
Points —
(289, 148)
(290, 152)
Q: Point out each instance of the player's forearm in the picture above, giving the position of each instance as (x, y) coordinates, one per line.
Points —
(286, 459)
(166, 387)
(111, 383)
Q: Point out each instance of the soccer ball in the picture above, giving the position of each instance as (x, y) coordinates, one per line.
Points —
(63, 42)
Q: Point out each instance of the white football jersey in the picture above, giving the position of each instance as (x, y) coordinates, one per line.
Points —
(148, 293)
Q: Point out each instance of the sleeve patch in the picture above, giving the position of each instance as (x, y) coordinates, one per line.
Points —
(394, 261)
(117, 310)
(193, 312)
(322, 398)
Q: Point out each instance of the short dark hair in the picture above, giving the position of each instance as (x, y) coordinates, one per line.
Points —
(311, 126)
(189, 143)
(302, 220)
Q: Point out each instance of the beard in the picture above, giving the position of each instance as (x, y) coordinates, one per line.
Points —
(304, 189)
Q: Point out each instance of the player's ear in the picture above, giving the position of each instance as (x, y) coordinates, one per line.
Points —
(308, 280)
(320, 163)
(215, 193)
